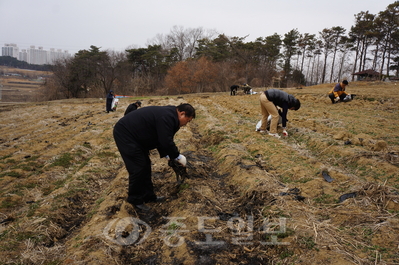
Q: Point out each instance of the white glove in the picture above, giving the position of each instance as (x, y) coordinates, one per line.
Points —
(182, 160)
(337, 98)
(285, 133)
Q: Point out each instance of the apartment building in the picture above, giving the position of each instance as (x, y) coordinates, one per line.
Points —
(34, 55)
(10, 49)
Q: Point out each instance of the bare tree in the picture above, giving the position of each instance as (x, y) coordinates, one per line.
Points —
(185, 41)
(361, 34)
(305, 43)
(290, 42)
(110, 67)
(326, 36)
(337, 34)
(344, 48)
(389, 19)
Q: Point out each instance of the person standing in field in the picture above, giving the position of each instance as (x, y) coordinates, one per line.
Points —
(270, 100)
(108, 103)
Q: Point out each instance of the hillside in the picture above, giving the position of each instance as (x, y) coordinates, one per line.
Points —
(250, 198)
(20, 85)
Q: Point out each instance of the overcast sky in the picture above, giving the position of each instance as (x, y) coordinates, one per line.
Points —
(74, 25)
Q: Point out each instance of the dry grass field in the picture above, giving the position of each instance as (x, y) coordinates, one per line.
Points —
(250, 198)
(20, 85)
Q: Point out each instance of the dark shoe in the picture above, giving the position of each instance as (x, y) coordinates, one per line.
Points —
(143, 207)
(160, 199)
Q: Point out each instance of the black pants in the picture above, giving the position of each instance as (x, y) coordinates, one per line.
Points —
(332, 97)
(233, 90)
(108, 105)
(138, 165)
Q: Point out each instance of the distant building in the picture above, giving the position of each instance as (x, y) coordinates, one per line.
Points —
(23, 55)
(37, 56)
(55, 55)
(367, 75)
(34, 55)
(10, 49)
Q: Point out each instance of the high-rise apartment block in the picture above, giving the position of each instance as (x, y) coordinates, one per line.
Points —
(34, 55)
(10, 49)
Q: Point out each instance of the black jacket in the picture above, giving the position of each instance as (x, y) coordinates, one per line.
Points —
(130, 108)
(283, 100)
(108, 104)
(152, 127)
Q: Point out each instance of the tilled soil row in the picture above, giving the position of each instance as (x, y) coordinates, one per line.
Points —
(250, 199)
(208, 221)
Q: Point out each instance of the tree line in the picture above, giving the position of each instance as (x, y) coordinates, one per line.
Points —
(14, 62)
(198, 60)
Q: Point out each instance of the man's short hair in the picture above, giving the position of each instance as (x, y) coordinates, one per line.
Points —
(297, 104)
(188, 109)
(345, 82)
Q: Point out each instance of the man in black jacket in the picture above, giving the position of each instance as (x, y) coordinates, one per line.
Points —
(233, 90)
(139, 132)
(269, 101)
(132, 107)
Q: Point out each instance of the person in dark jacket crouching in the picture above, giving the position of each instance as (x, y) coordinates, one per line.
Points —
(269, 101)
(144, 129)
(133, 107)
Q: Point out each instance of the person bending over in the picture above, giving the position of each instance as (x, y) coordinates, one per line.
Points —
(269, 101)
(133, 107)
(142, 130)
